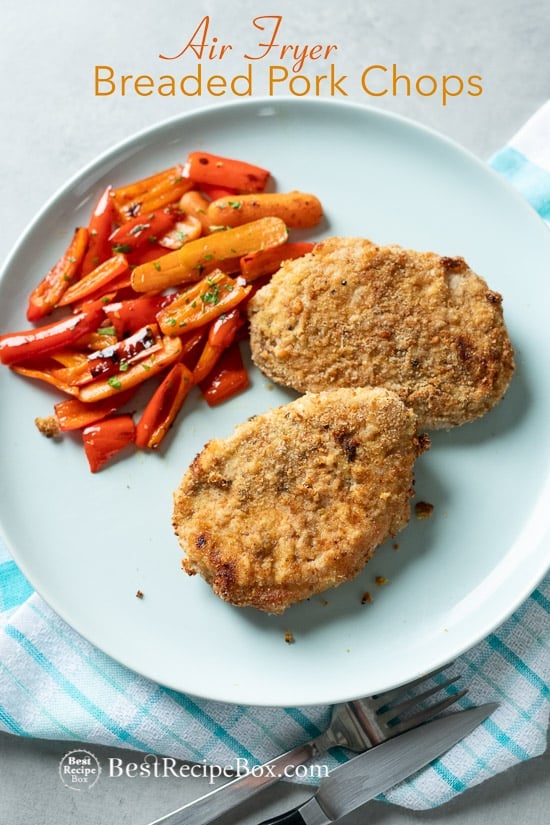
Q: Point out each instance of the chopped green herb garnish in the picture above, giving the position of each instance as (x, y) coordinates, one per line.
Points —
(235, 204)
(208, 257)
(157, 266)
(124, 248)
(114, 383)
(107, 331)
(212, 296)
(171, 322)
(123, 366)
(138, 228)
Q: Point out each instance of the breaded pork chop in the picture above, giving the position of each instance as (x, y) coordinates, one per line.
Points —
(351, 313)
(298, 498)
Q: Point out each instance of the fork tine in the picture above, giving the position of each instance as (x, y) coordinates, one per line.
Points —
(389, 695)
(406, 704)
(427, 713)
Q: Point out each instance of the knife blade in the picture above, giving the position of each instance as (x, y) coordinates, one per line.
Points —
(351, 785)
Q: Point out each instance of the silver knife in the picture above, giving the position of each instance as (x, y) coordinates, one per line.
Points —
(371, 773)
(363, 777)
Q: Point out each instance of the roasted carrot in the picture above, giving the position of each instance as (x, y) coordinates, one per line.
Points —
(185, 265)
(98, 278)
(46, 296)
(137, 197)
(204, 167)
(195, 204)
(188, 228)
(201, 304)
(297, 209)
(168, 353)
(268, 261)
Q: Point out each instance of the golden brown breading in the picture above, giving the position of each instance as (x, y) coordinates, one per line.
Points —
(298, 498)
(351, 313)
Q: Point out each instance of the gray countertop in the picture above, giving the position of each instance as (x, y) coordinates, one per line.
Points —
(52, 124)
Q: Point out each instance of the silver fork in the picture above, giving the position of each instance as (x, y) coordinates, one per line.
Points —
(356, 725)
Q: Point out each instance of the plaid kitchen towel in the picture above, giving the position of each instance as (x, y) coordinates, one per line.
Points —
(54, 684)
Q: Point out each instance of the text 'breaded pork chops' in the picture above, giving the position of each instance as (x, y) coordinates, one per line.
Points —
(351, 313)
(298, 498)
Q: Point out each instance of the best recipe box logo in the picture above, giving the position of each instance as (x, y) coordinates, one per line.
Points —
(80, 769)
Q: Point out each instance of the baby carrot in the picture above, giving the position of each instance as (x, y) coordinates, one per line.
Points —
(297, 209)
(186, 264)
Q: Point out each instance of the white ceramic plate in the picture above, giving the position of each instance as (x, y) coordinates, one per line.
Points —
(88, 542)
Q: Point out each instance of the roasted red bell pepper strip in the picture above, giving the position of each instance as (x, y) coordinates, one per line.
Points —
(143, 229)
(192, 345)
(16, 347)
(221, 335)
(129, 316)
(204, 167)
(228, 378)
(119, 356)
(100, 228)
(215, 192)
(268, 261)
(73, 414)
(163, 407)
(146, 253)
(98, 278)
(46, 296)
(104, 439)
(223, 330)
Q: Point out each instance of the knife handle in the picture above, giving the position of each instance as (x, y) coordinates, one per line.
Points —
(293, 817)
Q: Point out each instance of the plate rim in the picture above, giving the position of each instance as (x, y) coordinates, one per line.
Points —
(538, 571)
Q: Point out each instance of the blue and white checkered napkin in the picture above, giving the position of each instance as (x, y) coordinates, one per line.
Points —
(55, 685)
